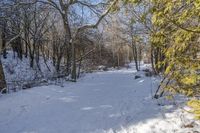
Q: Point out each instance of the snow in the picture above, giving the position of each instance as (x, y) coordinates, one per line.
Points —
(101, 102)
(19, 70)
(19, 74)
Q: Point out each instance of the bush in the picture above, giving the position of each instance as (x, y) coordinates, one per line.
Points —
(195, 105)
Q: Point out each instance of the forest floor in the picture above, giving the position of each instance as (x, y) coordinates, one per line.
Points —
(101, 102)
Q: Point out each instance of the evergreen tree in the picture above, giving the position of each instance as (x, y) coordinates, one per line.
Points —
(178, 35)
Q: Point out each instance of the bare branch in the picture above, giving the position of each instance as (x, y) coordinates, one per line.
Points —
(99, 20)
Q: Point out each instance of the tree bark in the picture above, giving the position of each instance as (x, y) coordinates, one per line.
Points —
(73, 74)
(134, 48)
(2, 79)
(3, 36)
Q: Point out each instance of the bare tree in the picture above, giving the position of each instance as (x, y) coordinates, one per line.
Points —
(63, 7)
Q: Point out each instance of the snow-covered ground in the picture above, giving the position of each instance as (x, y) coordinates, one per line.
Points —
(101, 102)
(19, 70)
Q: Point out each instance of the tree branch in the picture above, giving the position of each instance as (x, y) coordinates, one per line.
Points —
(99, 20)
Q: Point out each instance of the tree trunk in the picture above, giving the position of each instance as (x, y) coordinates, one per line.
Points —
(118, 60)
(68, 61)
(73, 74)
(134, 48)
(59, 58)
(2, 79)
(152, 60)
(38, 57)
(31, 56)
(79, 67)
(4, 41)
(19, 48)
(26, 43)
(156, 59)
(70, 48)
(31, 61)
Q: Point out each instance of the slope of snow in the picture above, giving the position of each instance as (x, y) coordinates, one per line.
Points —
(19, 70)
(102, 102)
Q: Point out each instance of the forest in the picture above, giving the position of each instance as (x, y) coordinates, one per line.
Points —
(100, 66)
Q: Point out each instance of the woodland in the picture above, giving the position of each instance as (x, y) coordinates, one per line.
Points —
(64, 40)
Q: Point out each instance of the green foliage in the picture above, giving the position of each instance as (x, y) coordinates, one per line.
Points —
(177, 26)
(132, 1)
(195, 104)
(176, 33)
(176, 23)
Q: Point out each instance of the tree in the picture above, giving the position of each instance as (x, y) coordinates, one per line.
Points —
(63, 7)
(2, 79)
(136, 18)
(177, 37)
(113, 36)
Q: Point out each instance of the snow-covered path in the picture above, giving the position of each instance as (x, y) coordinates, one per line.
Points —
(103, 102)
